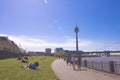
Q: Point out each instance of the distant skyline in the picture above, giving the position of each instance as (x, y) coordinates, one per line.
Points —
(40, 24)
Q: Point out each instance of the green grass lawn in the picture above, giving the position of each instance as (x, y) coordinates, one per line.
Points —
(10, 69)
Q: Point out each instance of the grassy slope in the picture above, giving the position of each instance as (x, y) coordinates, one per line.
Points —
(10, 69)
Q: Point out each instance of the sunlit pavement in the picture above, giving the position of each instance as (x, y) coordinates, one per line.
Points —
(66, 72)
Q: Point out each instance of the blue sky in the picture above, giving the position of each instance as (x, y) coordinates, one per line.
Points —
(37, 24)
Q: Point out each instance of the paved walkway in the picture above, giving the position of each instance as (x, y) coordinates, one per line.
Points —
(66, 72)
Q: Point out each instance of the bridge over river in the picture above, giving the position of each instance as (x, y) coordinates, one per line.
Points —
(97, 53)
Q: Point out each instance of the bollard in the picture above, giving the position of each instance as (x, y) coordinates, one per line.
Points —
(111, 66)
(85, 63)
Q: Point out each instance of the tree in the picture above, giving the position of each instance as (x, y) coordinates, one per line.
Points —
(60, 54)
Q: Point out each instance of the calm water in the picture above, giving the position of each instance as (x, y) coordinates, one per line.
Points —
(104, 58)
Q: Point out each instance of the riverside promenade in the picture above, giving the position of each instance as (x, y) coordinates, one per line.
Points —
(66, 72)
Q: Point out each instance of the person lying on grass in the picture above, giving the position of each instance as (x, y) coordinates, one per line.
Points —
(31, 66)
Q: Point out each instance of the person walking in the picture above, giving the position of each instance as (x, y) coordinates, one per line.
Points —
(68, 60)
(79, 62)
(73, 62)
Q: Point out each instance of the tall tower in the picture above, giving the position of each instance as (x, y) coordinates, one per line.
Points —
(77, 51)
(76, 31)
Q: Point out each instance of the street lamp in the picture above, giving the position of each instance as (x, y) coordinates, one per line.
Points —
(77, 51)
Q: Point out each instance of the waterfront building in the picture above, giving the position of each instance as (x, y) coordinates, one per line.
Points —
(8, 45)
(48, 50)
(58, 49)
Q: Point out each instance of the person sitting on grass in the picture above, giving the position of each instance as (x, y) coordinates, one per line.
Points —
(19, 58)
(31, 66)
(24, 60)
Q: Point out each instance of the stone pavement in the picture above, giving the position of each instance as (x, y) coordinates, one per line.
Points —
(66, 72)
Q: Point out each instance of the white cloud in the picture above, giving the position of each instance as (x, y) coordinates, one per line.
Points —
(40, 45)
(34, 44)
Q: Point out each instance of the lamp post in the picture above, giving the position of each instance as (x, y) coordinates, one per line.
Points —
(77, 51)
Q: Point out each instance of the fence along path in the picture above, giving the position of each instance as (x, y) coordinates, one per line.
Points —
(66, 72)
